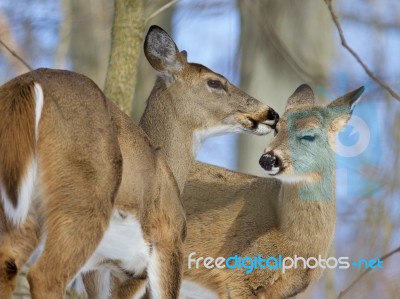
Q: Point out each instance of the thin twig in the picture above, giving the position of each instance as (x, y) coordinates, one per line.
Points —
(34, 74)
(160, 10)
(355, 281)
(16, 56)
(355, 55)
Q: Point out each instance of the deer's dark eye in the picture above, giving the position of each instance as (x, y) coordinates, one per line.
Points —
(215, 84)
(308, 138)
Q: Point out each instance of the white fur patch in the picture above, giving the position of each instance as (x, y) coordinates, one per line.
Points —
(294, 179)
(38, 251)
(192, 290)
(153, 274)
(39, 99)
(200, 135)
(26, 191)
(78, 285)
(123, 241)
(104, 283)
(264, 127)
(273, 171)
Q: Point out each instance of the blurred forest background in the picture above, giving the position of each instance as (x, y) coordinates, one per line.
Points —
(268, 48)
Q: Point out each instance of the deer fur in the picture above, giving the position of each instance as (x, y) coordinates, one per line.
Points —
(195, 105)
(42, 134)
(103, 197)
(292, 213)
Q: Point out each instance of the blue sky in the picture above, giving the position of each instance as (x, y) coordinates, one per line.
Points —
(212, 38)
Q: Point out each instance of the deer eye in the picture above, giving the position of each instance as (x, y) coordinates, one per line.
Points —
(308, 138)
(215, 84)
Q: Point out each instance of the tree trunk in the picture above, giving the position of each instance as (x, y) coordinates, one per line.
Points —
(89, 42)
(126, 41)
(146, 75)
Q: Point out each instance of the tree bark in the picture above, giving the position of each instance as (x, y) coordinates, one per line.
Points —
(89, 34)
(126, 41)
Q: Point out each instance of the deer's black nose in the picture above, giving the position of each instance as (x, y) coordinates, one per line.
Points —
(267, 161)
(273, 115)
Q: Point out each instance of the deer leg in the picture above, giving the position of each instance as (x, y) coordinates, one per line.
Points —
(132, 288)
(66, 250)
(90, 281)
(16, 247)
(78, 209)
(165, 271)
(75, 226)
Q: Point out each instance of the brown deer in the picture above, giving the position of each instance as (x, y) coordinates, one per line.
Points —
(78, 177)
(293, 213)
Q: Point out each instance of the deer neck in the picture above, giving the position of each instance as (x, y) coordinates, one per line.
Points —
(308, 209)
(161, 122)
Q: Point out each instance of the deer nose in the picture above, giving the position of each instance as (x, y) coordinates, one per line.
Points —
(273, 115)
(267, 161)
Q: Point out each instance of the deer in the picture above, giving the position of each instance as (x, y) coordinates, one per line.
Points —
(291, 212)
(85, 189)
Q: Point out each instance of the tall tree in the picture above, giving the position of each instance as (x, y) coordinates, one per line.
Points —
(86, 28)
(126, 41)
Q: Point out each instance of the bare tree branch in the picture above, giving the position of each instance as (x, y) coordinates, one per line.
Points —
(355, 281)
(355, 55)
(373, 21)
(8, 38)
(16, 56)
(160, 10)
(29, 68)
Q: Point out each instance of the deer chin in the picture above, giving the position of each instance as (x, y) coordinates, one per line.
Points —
(273, 171)
(291, 178)
(263, 129)
(283, 173)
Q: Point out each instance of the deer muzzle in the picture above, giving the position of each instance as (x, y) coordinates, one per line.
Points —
(260, 123)
(270, 163)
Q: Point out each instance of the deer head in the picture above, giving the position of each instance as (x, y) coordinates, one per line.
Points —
(219, 106)
(304, 144)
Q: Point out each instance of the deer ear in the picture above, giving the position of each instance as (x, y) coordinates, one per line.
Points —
(303, 95)
(340, 110)
(184, 54)
(161, 51)
(348, 101)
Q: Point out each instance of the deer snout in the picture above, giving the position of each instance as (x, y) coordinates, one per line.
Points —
(270, 163)
(261, 122)
(267, 161)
